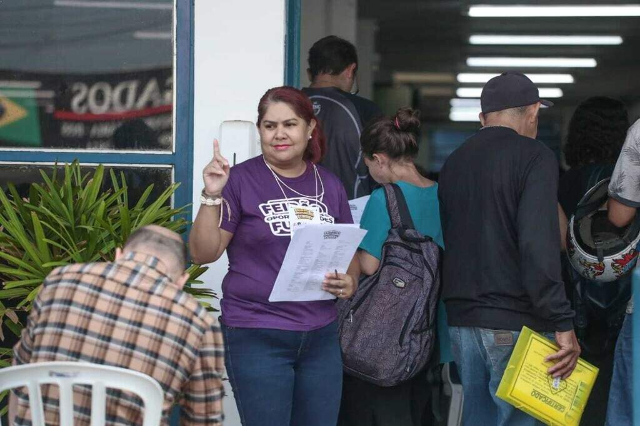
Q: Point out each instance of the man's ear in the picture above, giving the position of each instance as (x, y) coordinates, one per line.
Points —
(482, 119)
(182, 280)
(351, 70)
(309, 75)
(119, 253)
(534, 110)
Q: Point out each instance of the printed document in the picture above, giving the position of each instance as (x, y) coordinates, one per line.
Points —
(315, 250)
(357, 208)
(527, 385)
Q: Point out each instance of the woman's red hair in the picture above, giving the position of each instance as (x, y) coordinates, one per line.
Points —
(301, 105)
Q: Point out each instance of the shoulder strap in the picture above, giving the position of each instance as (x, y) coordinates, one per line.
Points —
(397, 207)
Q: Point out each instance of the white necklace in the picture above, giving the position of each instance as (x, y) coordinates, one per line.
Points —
(281, 183)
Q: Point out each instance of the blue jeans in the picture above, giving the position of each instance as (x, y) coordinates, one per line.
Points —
(481, 356)
(285, 378)
(620, 407)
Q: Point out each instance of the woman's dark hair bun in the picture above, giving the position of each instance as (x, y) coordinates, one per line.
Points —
(396, 137)
(407, 120)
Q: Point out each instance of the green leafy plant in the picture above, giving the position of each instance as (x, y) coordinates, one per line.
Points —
(69, 218)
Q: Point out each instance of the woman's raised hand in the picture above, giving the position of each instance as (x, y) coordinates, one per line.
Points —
(216, 173)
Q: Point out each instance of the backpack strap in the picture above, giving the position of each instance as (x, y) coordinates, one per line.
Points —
(397, 207)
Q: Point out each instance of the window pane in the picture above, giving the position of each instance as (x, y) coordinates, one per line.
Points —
(86, 74)
(138, 178)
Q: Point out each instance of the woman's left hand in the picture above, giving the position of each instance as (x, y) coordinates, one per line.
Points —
(340, 285)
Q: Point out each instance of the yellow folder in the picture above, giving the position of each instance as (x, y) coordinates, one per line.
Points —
(527, 386)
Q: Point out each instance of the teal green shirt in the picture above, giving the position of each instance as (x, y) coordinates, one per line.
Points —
(425, 213)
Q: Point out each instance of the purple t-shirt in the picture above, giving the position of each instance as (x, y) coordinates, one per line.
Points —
(260, 226)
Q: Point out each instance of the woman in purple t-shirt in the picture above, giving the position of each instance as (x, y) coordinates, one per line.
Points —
(283, 358)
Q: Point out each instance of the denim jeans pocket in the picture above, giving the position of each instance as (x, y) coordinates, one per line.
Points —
(499, 345)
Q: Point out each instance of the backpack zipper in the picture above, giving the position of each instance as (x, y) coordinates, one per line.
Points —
(403, 331)
(411, 249)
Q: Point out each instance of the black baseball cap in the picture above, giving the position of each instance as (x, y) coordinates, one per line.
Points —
(510, 90)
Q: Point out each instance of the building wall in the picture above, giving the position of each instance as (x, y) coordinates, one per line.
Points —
(321, 18)
(239, 54)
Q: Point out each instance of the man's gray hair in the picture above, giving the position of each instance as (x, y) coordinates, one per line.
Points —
(516, 112)
(155, 241)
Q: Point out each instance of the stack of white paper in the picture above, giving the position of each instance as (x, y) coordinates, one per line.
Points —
(314, 251)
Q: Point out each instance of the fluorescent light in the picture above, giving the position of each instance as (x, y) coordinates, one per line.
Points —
(532, 62)
(536, 78)
(463, 116)
(423, 77)
(153, 35)
(11, 84)
(545, 40)
(114, 4)
(465, 103)
(488, 11)
(474, 92)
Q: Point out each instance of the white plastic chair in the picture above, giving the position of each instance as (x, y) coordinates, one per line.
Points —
(454, 391)
(99, 377)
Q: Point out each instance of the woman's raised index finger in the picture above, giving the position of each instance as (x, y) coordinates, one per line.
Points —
(216, 147)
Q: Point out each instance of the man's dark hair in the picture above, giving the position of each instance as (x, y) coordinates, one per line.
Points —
(147, 237)
(331, 55)
(597, 132)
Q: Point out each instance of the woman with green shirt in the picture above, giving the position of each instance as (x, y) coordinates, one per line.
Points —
(390, 147)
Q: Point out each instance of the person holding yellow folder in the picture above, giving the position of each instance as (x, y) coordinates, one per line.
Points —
(501, 268)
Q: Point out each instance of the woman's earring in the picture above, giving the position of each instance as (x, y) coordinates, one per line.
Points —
(309, 137)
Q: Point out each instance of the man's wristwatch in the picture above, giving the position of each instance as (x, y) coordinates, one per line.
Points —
(208, 200)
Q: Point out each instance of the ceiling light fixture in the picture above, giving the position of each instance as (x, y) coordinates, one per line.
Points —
(536, 78)
(531, 62)
(475, 92)
(463, 116)
(544, 40)
(492, 11)
(465, 103)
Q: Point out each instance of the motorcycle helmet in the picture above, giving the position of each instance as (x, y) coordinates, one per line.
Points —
(598, 250)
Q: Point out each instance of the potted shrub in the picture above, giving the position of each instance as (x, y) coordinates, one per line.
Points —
(71, 218)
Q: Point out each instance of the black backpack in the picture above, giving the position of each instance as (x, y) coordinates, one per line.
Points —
(388, 328)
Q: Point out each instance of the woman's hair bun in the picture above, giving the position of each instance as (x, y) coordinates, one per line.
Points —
(407, 120)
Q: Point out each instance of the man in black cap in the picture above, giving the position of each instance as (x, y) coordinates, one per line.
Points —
(499, 215)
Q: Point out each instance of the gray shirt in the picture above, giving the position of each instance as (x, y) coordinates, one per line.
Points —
(625, 181)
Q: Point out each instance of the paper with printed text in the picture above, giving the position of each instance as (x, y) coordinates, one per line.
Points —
(357, 207)
(315, 250)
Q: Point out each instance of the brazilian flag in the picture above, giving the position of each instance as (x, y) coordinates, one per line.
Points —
(19, 118)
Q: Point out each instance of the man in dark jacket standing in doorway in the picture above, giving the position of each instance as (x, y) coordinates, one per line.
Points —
(333, 66)
(502, 263)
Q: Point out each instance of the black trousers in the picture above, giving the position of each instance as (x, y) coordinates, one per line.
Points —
(365, 404)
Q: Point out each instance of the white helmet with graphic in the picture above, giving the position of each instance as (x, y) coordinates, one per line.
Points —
(598, 250)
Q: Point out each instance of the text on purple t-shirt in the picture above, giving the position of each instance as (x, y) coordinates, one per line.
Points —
(259, 223)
